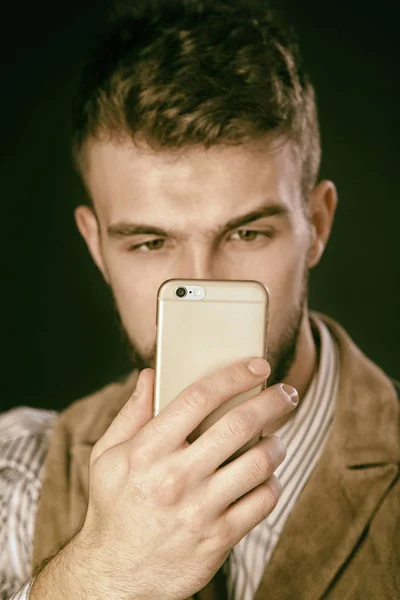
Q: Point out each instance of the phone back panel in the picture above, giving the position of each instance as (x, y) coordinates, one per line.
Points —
(196, 337)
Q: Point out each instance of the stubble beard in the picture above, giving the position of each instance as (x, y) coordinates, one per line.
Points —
(281, 359)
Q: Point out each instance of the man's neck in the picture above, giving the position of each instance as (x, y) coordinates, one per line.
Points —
(303, 368)
(306, 360)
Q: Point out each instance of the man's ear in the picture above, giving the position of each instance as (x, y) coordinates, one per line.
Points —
(322, 206)
(88, 226)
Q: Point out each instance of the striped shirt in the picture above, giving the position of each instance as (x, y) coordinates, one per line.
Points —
(24, 434)
(23, 445)
(304, 435)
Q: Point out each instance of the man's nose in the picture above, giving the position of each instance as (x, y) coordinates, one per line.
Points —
(201, 264)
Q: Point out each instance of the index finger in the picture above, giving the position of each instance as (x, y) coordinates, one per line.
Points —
(179, 419)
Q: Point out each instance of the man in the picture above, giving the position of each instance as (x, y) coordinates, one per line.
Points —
(196, 136)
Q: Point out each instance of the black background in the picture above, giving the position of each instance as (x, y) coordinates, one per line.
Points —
(60, 338)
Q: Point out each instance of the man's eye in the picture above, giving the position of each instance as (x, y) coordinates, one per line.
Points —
(248, 235)
(150, 246)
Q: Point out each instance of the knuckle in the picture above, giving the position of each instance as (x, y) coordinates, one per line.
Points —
(170, 488)
(269, 497)
(193, 518)
(240, 424)
(223, 534)
(159, 426)
(280, 449)
(196, 396)
(263, 463)
(235, 375)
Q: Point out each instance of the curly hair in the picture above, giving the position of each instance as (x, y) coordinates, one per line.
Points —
(179, 73)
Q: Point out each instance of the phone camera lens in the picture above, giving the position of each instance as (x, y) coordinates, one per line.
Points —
(181, 292)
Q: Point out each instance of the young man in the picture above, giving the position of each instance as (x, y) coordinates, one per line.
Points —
(196, 136)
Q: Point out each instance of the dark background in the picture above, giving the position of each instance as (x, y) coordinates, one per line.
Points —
(60, 337)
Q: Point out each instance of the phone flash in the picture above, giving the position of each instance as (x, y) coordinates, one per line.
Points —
(197, 292)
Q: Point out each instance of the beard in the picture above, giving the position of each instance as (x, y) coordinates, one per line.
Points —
(280, 358)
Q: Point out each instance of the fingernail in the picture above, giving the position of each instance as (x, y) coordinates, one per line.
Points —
(259, 366)
(139, 386)
(291, 392)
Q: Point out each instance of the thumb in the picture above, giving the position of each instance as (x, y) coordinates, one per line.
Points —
(135, 413)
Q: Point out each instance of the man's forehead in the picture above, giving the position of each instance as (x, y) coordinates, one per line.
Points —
(103, 148)
(119, 174)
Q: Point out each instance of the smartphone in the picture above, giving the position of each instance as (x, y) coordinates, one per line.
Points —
(202, 326)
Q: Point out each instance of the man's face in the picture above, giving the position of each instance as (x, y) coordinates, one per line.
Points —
(221, 213)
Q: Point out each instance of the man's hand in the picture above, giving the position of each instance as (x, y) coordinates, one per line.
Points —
(162, 513)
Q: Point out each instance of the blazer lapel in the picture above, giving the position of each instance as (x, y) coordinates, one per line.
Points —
(357, 467)
(325, 526)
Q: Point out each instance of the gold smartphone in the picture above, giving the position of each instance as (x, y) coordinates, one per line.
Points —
(202, 326)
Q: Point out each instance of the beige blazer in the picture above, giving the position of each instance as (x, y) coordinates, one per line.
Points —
(341, 541)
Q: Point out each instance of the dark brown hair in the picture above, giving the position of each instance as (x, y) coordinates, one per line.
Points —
(180, 73)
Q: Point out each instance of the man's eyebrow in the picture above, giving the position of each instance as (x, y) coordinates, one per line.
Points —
(121, 230)
(125, 229)
(267, 210)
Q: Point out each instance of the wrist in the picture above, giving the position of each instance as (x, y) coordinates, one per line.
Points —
(65, 577)
(77, 573)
